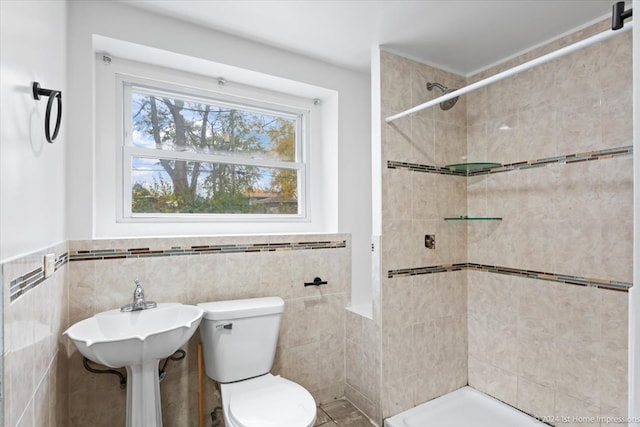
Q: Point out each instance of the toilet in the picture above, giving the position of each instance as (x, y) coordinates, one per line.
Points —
(239, 340)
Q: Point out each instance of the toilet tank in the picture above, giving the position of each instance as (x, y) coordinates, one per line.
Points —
(239, 337)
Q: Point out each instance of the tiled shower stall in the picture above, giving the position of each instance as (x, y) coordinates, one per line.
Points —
(525, 295)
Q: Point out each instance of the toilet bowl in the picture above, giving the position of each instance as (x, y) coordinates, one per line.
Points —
(239, 340)
(267, 401)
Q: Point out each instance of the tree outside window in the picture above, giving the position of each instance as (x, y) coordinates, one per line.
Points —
(194, 156)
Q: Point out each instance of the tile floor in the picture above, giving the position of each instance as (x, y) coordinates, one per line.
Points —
(341, 413)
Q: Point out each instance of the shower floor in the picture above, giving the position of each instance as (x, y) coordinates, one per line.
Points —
(465, 407)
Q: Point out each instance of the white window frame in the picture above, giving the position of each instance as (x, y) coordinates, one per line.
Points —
(125, 83)
(105, 182)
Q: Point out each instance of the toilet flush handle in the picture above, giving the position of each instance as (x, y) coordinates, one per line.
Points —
(225, 326)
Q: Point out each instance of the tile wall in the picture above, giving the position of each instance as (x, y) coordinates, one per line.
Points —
(34, 382)
(552, 348)
(423, 317)
(362, 362)
(363, 348)
(311, 347)
(549, 349)
(532, 307)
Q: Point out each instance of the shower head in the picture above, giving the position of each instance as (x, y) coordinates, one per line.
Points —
(445, 105)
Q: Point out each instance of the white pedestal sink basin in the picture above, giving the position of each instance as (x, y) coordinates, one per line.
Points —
(137, 340)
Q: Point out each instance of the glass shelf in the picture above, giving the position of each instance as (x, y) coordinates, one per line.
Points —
(472, 218)
(472, 167)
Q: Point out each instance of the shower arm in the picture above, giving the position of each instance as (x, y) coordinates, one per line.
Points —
(515, 70)
(438, 85)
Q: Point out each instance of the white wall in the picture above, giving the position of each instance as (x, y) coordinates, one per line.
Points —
(634, 293)
(32, 171)
(121, 22)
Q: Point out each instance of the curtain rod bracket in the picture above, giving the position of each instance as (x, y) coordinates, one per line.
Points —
(619, 15)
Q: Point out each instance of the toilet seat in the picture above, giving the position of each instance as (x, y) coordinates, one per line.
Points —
(271, 401)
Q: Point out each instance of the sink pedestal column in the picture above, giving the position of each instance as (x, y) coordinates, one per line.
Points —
(143, 395)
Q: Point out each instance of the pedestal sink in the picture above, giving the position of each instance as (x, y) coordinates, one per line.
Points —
(137, 340)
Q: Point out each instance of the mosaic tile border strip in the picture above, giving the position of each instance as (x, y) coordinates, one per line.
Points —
(540, 275)
(103, 254)
(23, 284)
(558, 160)
(416, 167)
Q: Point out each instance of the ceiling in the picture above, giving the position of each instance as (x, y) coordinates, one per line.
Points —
(463, 36)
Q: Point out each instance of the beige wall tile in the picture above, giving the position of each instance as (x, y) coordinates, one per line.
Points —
(574, 412)
(539, 358)
(368, 407)
(579, 80)
(450, 142)
(398, 394)
(578, 370)
(301, 364)
(617, 123)
(616, 65)
(396, 82)
(397, 141)
(44, 342)
(19, 357)
(59, 397)
(612, 376)
(535, 399)
(42, 409)
(299, 322)
(313, 322)
(396, 186)
(612, 369)
(166, 281)
(114, 282)
(28, 417)
(577, 317)
(208, 278)
(32, 324)
(360, 362)
(399, 358)
(492, 380)
(538, 133)
(423, 133)
(423, 195)
(398, 301)
(614, 416)
(560, 342)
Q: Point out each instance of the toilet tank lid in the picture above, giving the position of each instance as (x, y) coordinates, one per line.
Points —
(239, 308)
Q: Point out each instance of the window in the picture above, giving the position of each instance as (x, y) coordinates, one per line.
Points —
(194, 154)
(263, 150)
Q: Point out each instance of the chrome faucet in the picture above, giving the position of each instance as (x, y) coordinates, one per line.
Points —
(138, 300)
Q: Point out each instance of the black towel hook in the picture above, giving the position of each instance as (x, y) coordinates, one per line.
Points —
(52, 94)
(316, 282)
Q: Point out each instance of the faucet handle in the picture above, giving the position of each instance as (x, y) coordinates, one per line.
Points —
(138, 292)
(138, 300)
